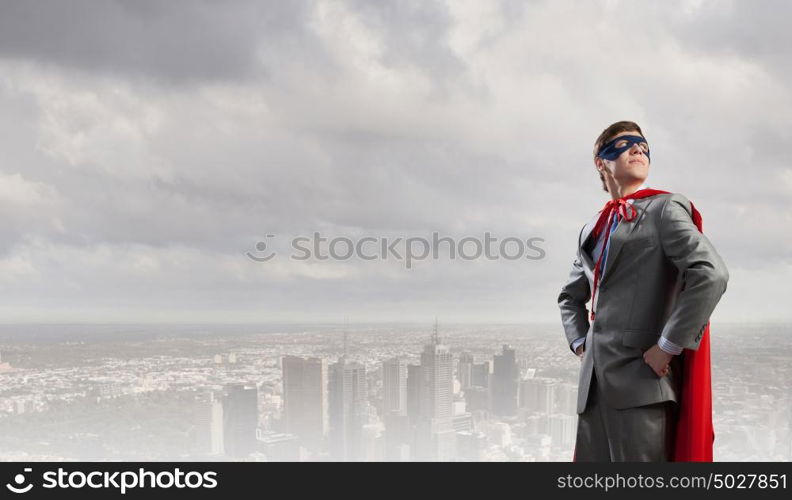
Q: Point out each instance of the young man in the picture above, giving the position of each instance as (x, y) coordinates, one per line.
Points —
(652, 291)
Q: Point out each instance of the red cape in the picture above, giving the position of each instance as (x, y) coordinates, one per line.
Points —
(694, 431)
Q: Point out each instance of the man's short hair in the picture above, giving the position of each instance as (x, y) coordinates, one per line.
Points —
(608, 134)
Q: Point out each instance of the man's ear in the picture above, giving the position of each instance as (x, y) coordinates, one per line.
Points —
(598, 164)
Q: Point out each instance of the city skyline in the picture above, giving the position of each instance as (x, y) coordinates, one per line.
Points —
(171, 396)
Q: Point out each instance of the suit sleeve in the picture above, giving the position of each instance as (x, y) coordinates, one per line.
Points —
(702, 270)
(572, 301)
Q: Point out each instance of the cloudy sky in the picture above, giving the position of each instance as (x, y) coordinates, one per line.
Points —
(148, 145)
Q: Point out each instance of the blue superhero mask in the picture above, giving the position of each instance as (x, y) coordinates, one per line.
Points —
(619, 145)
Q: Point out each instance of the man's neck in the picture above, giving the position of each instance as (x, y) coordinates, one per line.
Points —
(622, 191)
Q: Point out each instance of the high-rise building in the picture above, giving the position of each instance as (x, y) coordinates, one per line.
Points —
(415, 391)
(538, 395)
(478, 399)
(395, 407)
(566, 399)
(437, 375)
(240, 418)
(480, 374)
(305, 399)
(207, 424)
(505, 379)
(434, 437)
(394, 387)
(465, 370)
(563, 429)
(347, 406)
(216, 438)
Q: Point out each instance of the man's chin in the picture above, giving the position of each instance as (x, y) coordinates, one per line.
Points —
(639, 174)
(633, 179)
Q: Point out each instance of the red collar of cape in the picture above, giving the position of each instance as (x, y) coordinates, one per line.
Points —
(694, 431)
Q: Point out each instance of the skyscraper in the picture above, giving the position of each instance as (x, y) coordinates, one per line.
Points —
(395, 408)
(480, 374)
(414, 391)
(240, 418)
(437, 374)
(538, 395)
(347, 405)
(505, 378)
(465, 370)
(305, 399)
(394, 387)
(434, 437)
(207, 424)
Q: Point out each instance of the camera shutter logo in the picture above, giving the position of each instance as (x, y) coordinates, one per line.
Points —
(19, 480)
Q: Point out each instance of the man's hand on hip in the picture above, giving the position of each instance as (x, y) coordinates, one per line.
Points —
(658, 359)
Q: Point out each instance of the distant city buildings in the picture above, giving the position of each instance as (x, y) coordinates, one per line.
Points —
(394, 387)
(505, 379)
(395, 408)
(481, 374)
(208, 424)
(4, 365)
(462, 397)
(430, 395)
(465, 370)
(240, 419)
(421, 416)
(348, 405)
(305, 399)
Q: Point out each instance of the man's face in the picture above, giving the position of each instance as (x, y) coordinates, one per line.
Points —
(631, 165)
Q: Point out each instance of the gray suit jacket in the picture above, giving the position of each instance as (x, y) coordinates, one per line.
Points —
(662, 277)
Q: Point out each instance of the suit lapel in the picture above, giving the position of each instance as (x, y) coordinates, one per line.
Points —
(622, 233)
(586, 244)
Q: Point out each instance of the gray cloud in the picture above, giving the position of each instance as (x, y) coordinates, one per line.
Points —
(179, 40)
(749, 30)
